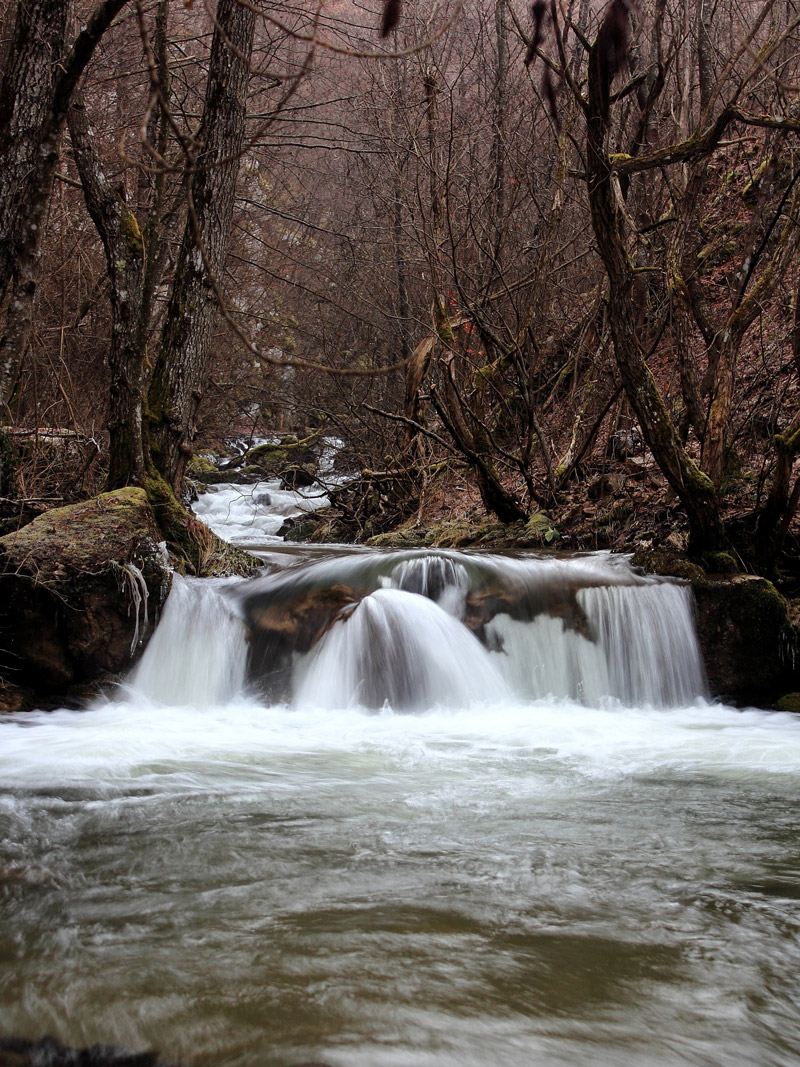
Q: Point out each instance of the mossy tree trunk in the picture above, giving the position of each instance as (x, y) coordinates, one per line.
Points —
(183, 358)
(124, 248)
(135, 258)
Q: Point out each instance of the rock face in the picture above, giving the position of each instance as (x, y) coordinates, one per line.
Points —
(749, 634)
(80, 589)
(750, 642)
(281, 627)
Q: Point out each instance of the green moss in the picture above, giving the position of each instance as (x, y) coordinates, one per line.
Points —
(539, 531)
(199, 468)
(718, 253)
(88, 534)
(720, 563)
(751, 186)
(132, 234)
(269, 456)
(482, 443)
(658, 561)
(193, 546)
(789, 702)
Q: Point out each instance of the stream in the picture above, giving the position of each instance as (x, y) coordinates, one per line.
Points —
(437, 845)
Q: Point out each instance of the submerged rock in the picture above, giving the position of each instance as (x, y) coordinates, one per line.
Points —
(80, 590)
(47, 1052)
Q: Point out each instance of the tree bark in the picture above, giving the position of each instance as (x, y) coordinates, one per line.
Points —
(124, 248)
(37, 86)
(183, 359)
(694, 489)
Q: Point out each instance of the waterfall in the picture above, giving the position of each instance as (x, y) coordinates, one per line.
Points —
(415, 630)
(198, 654)
(401, 649)
(639, 647)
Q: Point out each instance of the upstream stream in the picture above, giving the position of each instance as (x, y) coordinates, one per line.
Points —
(434, 839)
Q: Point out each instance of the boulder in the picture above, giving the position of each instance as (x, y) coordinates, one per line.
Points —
(80, 591)
(281, 625)
(298, 477)
(557, 601)
(749, 640)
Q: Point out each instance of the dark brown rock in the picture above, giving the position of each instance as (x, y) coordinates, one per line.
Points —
(297, 477)
(299, 623)
(80, 589)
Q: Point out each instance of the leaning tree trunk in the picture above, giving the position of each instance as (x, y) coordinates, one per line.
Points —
(183, 359)
(694, 489)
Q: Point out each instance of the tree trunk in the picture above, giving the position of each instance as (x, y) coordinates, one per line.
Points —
(37, 86)
(124, 248)
(695, 490)
(183, 359)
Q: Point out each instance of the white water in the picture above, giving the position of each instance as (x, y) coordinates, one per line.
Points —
(609, 876)
(401, 649)
(250, 516)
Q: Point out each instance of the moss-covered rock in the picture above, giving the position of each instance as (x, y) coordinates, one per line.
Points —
(193, 547)
(298, 477)
(789, 702)
(659, 561)
(80, 590)
(748, 638)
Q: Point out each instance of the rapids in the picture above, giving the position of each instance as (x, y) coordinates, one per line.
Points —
(461, 837)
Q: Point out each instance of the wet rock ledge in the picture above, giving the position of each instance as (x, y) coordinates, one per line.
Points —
(80, 591)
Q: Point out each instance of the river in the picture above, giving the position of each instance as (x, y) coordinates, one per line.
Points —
(484, 874)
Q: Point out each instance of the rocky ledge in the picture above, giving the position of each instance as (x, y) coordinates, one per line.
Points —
(80, 591)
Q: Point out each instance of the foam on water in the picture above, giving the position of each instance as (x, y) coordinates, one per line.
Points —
(241, 743)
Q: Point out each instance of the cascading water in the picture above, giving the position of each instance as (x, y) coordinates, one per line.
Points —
(199, 658)
(565, 854)
(398, 649)
(586, 631)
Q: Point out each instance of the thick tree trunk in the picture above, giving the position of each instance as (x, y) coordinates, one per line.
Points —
(183, 359)
(29, 140)
(38, 82)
